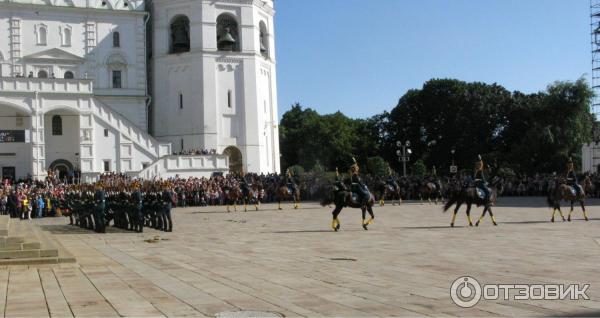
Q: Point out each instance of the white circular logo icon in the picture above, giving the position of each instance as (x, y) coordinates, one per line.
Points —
(465, 292)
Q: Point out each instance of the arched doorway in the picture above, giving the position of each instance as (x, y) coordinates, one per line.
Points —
(63, 167)
(236, 164)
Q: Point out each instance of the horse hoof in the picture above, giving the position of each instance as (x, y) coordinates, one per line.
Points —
(477, 224)
(495, 224)
(451, 224)
(553, 220)
(569, 219)
(587, 219)
(470, 224)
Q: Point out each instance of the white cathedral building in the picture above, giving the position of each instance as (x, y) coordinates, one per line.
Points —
(127, 85)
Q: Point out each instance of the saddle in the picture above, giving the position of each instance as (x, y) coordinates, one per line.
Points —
(573, 189)
(480, 193)
(354, 199)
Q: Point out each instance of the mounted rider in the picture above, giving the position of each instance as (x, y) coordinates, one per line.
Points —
(289, 181)
(339, 182)
(244, 185)
(479, 177)
(571, 177)
(391, 180)
(358, 186)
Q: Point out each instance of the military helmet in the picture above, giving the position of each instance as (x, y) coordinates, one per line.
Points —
(354, 167)
(570, 163)
(479, 162)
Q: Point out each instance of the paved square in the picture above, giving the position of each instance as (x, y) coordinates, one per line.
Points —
(290, 262)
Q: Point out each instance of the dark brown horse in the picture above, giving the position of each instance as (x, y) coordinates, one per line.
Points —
(384, 191)
(342, 198)
(428, 191)
(232, 195)
(283, 193)
(469, 196)
(561, 191)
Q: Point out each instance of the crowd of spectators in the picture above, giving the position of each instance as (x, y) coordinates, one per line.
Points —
(196, 152)
(28, 199)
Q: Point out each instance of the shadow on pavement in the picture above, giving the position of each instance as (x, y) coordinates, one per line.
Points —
(428, 227)
(581, 314)
(72, 229)
(311, 231)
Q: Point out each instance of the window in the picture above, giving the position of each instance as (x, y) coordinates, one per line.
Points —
(227, 33)
(180, 100)
(69, 75)
(264, 40)
(105, 132)
(180, 35)
(106, 165)
(66, 37)
(116, 79)
(229, 98)
(116, 39)
(42, 74)
(42, 35)
(57, 126)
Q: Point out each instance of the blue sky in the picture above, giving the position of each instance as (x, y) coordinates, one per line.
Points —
(361, 56)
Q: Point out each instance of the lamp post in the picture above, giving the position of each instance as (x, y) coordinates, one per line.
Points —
(403, 154)
(453, 167)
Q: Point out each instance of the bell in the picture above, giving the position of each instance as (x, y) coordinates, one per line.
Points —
(226, 41)
(263, 49)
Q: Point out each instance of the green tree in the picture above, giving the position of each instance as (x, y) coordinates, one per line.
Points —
(377, 166)
(419, 168)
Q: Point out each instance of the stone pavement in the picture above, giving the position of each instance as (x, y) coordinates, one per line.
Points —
(290, 262)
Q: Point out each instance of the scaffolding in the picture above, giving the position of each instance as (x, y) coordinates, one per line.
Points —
(595, 37)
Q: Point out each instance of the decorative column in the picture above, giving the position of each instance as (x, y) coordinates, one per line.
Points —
(90, 46)
(38, 137)
(15, 45)
(86, 138)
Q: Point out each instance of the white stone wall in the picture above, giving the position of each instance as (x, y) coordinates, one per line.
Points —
(206, 77)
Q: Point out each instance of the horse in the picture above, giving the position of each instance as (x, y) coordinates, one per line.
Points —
(559, 191)
(249, 197)
(430, 190)
(232, 195)
(469, 196)
(342, 198)
(283, 192)
(384, 190)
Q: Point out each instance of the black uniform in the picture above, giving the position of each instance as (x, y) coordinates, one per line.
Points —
(573, 182)
(99, 211)
(138, 215)
(360, 188)
(481, 183)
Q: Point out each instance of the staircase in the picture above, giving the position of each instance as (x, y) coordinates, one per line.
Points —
(24, 243)
(130, 131)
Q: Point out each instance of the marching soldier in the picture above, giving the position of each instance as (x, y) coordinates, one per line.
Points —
(137, 202)
(99, 211)
(167, 197)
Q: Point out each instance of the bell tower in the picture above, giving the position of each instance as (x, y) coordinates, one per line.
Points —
(214, 79)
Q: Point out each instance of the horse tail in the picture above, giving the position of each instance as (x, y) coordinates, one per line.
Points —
(451, 201)
(550, 200)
